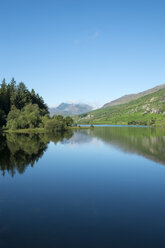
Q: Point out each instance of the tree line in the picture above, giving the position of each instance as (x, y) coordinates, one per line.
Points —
(23, 109)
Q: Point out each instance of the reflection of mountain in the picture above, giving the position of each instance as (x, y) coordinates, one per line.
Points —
(148, 142)
(79, 137)
(17, 151)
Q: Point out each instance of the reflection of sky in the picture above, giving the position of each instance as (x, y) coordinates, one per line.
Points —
(90, 194)
(81, 138)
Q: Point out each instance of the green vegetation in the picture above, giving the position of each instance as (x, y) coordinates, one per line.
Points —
(131, 97)
(29, 117)
(16, 97)
(22, 110)
(147, 110)
(16, 102)
(58, 123)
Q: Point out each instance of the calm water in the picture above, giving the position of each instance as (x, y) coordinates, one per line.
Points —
(91, 188)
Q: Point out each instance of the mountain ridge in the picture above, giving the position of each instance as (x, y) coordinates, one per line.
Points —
(129, 97)
(70, 109)
(145, 110)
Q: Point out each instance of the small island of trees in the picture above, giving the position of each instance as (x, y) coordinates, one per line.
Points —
(23, 109)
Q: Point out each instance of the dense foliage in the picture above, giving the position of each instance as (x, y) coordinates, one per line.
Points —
(58, 123)
(29, 117)
(16, 97)
(24, 109)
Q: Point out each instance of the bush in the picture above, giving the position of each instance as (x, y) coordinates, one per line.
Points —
(69, 121)
(55, 125)
(29, 117)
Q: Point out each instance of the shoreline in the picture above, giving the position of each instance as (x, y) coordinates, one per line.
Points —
(40, 130)
(84, 126)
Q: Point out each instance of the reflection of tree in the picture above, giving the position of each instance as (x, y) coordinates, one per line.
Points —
(17, 151)
(148, 142)
(58, 136)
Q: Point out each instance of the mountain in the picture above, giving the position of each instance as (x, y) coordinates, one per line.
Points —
(70, 109)
(146, 110)
(128, 98)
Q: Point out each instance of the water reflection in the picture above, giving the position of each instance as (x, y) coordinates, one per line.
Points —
(148, 142)
(85, 191)
(17, 151)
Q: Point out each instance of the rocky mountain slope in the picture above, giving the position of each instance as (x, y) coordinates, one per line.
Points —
(128, 98)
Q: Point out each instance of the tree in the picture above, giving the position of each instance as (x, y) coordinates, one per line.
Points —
(31, 113)
(12, 91)
(22, 96)
(4, 97)
(55, 125)
(2, 118)
(29, 117)
(13, 118)
(69, 121)
(18, 96)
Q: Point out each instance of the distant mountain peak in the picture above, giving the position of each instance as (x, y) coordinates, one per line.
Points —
(70, 109)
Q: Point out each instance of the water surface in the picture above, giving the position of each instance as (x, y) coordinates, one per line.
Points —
(91, 188)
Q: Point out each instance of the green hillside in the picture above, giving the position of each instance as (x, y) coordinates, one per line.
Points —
(147, 110)
(132, 97)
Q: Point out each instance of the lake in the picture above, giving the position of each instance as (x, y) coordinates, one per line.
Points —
(88, 188)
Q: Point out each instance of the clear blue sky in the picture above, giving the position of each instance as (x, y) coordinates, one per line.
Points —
(83, 50)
